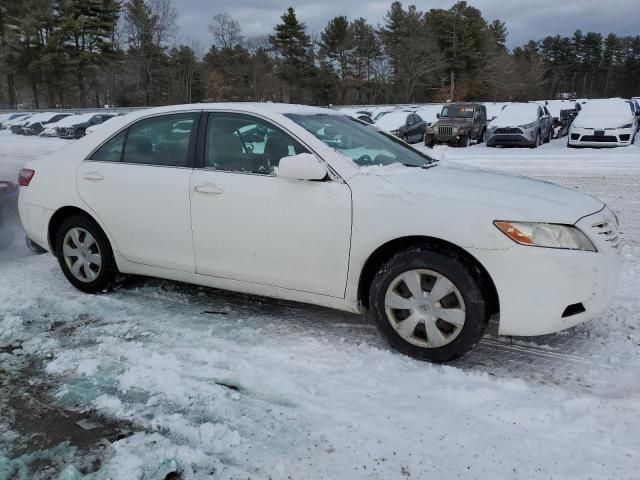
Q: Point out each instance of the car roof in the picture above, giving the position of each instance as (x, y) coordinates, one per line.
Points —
(464, 104)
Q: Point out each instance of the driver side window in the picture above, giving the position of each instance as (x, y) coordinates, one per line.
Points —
(245, 144)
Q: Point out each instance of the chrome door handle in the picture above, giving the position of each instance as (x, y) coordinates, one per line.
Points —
(93, 176)
(207, 189)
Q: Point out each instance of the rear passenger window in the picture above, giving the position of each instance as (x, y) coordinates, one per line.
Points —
(112, 150)
(160, 140)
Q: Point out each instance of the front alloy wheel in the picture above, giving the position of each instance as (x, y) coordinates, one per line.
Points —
(425, 308)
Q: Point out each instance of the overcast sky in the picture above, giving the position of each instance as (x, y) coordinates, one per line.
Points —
(526, 19)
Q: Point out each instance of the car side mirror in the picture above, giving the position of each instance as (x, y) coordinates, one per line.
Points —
(437, 115)
(303, 166)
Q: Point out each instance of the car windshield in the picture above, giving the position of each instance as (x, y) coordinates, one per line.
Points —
(457, 112)
(362, 143)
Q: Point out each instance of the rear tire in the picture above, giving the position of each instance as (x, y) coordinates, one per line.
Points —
(428, 335)
(85, 255)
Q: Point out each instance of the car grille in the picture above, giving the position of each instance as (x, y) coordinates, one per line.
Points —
(599, 138)
(500, 131)
(608, 229)
(445, 130)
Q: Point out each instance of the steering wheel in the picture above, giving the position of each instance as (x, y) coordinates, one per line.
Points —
(364, 159)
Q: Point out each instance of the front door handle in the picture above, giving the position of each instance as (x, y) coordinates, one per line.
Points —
(93, 176)
(207, 189)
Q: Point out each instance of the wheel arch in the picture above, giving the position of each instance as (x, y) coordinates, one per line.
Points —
(59, 216)
(384, 252)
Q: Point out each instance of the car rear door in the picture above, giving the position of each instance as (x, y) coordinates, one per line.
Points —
(137, 185)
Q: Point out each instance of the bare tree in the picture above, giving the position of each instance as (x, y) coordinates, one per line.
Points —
(165, 25)
(225, 30)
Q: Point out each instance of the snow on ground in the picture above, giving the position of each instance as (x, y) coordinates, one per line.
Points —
(217, 385)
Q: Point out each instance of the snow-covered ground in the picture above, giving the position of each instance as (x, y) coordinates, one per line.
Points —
(216, 385)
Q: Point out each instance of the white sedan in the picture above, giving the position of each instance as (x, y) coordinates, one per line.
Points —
(305, 204)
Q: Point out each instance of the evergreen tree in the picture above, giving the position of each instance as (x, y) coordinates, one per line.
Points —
(293, 46)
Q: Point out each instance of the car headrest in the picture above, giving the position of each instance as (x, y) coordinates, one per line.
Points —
(139, 143)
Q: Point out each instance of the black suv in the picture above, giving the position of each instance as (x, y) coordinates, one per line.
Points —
(458, 124)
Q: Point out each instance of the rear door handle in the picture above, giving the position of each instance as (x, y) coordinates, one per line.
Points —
(207, 189)
(93, 176)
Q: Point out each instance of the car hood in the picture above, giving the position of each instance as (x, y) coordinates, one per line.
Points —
(499, 195)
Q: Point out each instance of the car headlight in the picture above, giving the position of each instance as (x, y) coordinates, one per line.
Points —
(628, 125)
(429, 129)
(528, 125)
(549, 235)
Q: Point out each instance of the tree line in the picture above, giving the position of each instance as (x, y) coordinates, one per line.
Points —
(91, 53)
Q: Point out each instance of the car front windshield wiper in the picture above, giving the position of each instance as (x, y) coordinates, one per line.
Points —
(426, 166)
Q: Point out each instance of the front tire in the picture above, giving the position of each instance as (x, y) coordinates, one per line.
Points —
(429, 305)
(536, 141)
(85, 255)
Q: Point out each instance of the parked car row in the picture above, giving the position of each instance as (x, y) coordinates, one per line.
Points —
(53, 124)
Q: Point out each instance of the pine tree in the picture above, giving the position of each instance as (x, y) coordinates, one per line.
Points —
(293, 46)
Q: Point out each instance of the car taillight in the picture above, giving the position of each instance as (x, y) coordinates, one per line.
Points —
(25, 177)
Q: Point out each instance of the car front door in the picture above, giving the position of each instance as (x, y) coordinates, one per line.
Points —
(252, 226)
(137, 184)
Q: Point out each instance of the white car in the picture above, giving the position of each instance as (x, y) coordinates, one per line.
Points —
(305, 204)
(604, 123)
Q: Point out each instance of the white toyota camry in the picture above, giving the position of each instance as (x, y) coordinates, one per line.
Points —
(305, 204)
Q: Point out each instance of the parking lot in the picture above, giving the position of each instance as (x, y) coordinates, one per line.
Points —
(186, 379)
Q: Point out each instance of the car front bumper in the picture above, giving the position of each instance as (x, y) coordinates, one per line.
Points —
(524, 138)
(586, 137)
(543, 290)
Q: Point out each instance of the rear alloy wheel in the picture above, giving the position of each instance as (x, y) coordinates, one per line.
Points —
(429, 305)
(85, 255)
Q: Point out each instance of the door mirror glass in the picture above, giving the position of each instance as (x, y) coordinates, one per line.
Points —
(304, 166)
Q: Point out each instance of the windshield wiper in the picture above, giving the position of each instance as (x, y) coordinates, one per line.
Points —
(425, 166)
